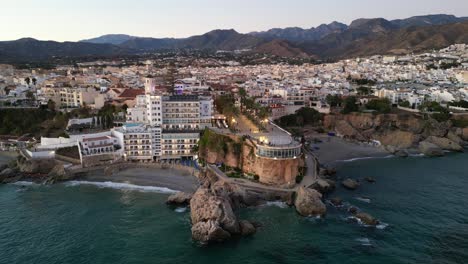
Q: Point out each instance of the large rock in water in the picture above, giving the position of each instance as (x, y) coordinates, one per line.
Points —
(429, 149)
(209, 231)
(213, 219)
(445, 143)
(350, 184)
(367, 219)
(179, 198)
(323, 186)
(247, 228)
(309, 202)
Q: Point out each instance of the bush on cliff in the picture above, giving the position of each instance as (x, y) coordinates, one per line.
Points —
(382, 106)
(350, 105)
(303, 116)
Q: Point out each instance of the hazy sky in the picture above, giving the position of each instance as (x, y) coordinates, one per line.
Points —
(78, 19)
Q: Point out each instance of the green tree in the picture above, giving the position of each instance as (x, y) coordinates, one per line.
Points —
(34, 80)
(51, 105)
(350, 105)
(334, 100)
(243, 95)
(404, 104)
(363, 90)
(27, 80)
(382, 106)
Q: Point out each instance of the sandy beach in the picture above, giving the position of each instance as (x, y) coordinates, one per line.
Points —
(167, 178)
(333, 150)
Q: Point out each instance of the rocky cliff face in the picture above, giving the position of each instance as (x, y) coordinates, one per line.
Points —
(270, 171)
(240, 153)
(395, 131)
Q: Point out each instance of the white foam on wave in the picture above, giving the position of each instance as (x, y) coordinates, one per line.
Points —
(364, 241)
(121, 186)
(279, 204)
(381, 226)
(366, 158)
(181, 209)
(417, 155)
(25, 183)
(362, 199)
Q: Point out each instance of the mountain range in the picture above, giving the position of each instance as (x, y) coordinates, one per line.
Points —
(328, 41)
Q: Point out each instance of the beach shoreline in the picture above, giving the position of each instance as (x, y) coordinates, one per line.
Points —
(172, 179)
(334, 150)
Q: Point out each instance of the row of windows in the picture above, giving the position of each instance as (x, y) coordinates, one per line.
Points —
(279, 153)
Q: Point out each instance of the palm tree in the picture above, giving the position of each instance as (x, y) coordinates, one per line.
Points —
(243, 95)
(34, 80)
(27, 80)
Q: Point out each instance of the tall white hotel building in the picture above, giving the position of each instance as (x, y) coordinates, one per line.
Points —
(162, 127)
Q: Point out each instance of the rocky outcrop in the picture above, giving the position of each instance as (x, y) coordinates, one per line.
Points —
(397, 139)
(309, 202)
(212, 214)
(323, 186)
(464, 133)
(337, 201)
(58, 172)
(455, 138)
(7, 172)
(445, 143)
(209, 231)
(350, 184)
(179, 198)
(370, 179)
(33, 166)
(429, 149)
(247, 228)
(398, 132)
(346, 130)
(367, 219)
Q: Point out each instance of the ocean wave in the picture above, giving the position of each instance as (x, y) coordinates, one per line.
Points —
(25, 183)
(364, 241)
(122, 186)
(181, 209)
(363, 199)
(417, 155)
(279, 204)
(366, 158)
(381, 226)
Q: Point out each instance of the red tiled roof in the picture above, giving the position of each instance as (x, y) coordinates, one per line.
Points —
(131, 93)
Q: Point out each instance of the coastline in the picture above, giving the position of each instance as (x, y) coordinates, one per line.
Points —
(171, 179)
(334, 150)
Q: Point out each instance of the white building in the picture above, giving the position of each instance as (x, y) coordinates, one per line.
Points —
(165, 127)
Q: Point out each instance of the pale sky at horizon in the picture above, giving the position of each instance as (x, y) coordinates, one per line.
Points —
(65, 20)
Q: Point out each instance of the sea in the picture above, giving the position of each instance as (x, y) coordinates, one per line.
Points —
(421, 204)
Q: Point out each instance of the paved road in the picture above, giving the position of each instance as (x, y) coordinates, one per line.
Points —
(311, 174)
(246, 183)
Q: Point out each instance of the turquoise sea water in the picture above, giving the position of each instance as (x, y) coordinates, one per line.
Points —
(422, 200)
